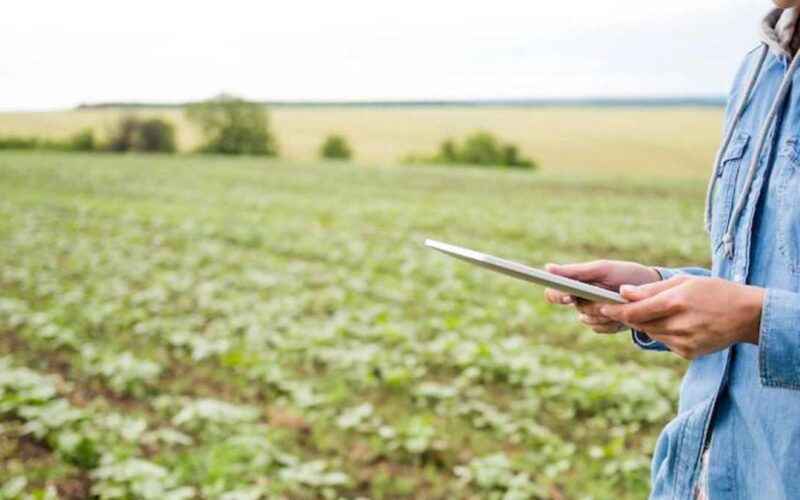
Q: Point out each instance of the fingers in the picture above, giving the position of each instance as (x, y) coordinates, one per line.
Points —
(648, 302)
(601, 324)
(589, 312)
(658, 329)
(589, 308)
(645, 310)
(609, 328)
(637, 293)
(585, 271)
(557, 297)
(591, 316)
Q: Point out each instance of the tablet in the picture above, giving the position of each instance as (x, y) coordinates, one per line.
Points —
(520, 271)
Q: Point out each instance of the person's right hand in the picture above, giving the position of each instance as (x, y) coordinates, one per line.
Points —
(607, 274)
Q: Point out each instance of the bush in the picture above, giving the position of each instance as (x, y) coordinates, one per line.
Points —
(144, 135)
(83, 141)
(155, 135)
(121, 139)
(447, 151)
(510, 157)
(335, 147)
(233, 126)
(481, 148)
(19, 143)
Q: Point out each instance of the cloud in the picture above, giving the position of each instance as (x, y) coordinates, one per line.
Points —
(66, 53)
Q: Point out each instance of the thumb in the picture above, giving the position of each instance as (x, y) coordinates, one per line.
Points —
(637, 293)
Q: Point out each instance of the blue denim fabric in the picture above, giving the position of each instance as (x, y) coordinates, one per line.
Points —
(747, 396)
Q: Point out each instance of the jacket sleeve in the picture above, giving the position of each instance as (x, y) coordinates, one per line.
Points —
(641, 339)
(779, 341)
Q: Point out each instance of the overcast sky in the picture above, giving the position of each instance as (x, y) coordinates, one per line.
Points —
(56, 54)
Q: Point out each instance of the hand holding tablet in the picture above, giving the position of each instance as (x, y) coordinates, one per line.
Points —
(520, 271)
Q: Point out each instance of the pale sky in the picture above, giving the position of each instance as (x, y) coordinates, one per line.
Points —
(56, 54)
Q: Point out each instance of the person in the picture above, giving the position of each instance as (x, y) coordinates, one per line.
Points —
(737, 431)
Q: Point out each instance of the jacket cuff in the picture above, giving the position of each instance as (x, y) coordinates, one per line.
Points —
(641, 339)
(644, 341)
(779, 341)
(667, 273)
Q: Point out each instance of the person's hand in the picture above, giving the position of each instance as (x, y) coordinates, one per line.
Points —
(692, 316)
(607, 274)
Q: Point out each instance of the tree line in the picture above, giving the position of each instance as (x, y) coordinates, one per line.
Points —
(234, 126)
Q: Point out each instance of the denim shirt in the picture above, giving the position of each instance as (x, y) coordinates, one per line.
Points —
(746, 399)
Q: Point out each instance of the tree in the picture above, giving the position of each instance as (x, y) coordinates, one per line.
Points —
(155, 134)
(148, 135)
(233, 126)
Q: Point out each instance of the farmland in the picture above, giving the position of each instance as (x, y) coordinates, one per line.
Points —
(239, 328)
(673, 142)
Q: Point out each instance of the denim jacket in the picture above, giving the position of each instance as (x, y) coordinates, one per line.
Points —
(745, 401)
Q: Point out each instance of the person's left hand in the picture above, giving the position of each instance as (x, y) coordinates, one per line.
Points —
(692, 316)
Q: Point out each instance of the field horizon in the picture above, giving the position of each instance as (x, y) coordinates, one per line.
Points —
(669, 142)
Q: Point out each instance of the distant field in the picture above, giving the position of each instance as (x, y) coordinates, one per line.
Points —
(221, 328)
(671, 142)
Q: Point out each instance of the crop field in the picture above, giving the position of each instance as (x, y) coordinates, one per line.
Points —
(672, 142)
(236, 328)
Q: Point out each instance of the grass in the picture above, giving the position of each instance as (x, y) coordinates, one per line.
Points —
(274, 329)
(664, 142)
